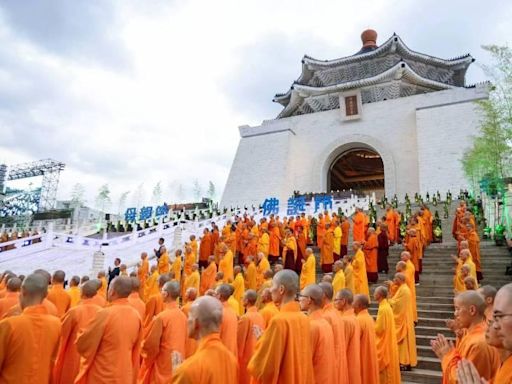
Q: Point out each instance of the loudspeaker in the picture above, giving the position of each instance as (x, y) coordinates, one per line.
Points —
(107, 216)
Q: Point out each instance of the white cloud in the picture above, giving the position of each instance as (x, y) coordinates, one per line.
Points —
(157, 92)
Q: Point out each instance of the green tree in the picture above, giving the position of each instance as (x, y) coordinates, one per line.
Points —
(103, 200)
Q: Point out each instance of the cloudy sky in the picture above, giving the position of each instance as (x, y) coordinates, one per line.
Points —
(131, 92)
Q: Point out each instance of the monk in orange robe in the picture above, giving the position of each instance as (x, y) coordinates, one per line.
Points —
(386, 342)
(228, 328)
(283, 353)
(151, 285)
(246, 340)
(343, 303)
(190, 343)
(474, 247)
(327, 249)
(391, 223)
(371, 248)
(208, 276)
(193, 280)
(176, 265)
(134, 299)
(322, 337)
(110, 344)
(290, 253)
(470, 314)
(57, 295)
(401, 303)
(320, 230)
(333, 317)
(74, 321)
(155, 303)
(275, 240)
(212, 363)
(269, 309)
(29, 341)
(205, 248)
(359, 270)
(74, 291)
(370, 368)
(413, 246)
(103, 288)
(345, 232)
(262, 265)
(251, 274)
(163, 263)
(143, 273)
(190, 260)
(359, 221)
(11, 296)
(164, 341)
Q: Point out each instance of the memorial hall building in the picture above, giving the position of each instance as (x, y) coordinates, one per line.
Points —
(386, 120)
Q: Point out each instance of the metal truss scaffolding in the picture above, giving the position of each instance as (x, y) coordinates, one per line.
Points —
(50, 170)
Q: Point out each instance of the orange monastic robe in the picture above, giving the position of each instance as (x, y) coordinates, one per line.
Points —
(75, 296)
(320, 232)
(109, 346)
(165, 336)
(283, 354)
(226, 266)
(190, 260)
(151, 286)
(163, 264)
(345, 229)
(58, 296)
(370, 368)
(391, 223)
(370, 252)
(401, 303)
(192, 281)
(349, 277)
(473, 347)
(322, 345)
(264, 244)
(504, 374)
(142, 275)
(250, 276)
(474, 248)
(334, 319)
(176, 268)
(212, 363)
(190, 343)
(275, 240)
(136, 302)
(409, 279)
(7, 302)
(308, 273)
(359, 273)
(327, 249)
(75, 320)
(246, 341)
(261, 268)
(414, 247)
(103, 288)
(268, 311)
(228, 328)
(386, 343)
(28, 346)
(353, 340)
(205, 247)
(154, 306)
(359, 226)
(208, 278)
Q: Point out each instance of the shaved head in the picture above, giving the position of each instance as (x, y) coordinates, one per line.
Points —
(346, 294)
(59, 277)
(327, 289)
(381, 292)
(289, 280)
(315, 293)
(135, 284)
(224, 291)
(205, 317)
(266, 295)
(251, 296)
(361, 302)
(502, 306)
(75, 281)
(172, 288)
(191, 294)
(44, 273)
(14, 284)
(488, 292)
(471, 299)
(162, 279)
(33, 290)
(121, 286)
(89, 289)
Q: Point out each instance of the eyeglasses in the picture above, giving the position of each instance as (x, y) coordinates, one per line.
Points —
(497, 317)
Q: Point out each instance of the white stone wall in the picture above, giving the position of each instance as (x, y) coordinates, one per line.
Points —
(295, 153)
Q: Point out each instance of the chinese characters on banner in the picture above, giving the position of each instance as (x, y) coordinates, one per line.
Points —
(145, 213)
(296, 205)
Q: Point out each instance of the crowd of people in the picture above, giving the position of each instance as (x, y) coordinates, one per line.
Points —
(245, 304)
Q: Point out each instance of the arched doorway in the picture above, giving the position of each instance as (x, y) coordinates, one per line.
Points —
(360, 169)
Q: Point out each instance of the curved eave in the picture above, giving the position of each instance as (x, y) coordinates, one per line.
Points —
(393, 42)
(398, 72)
